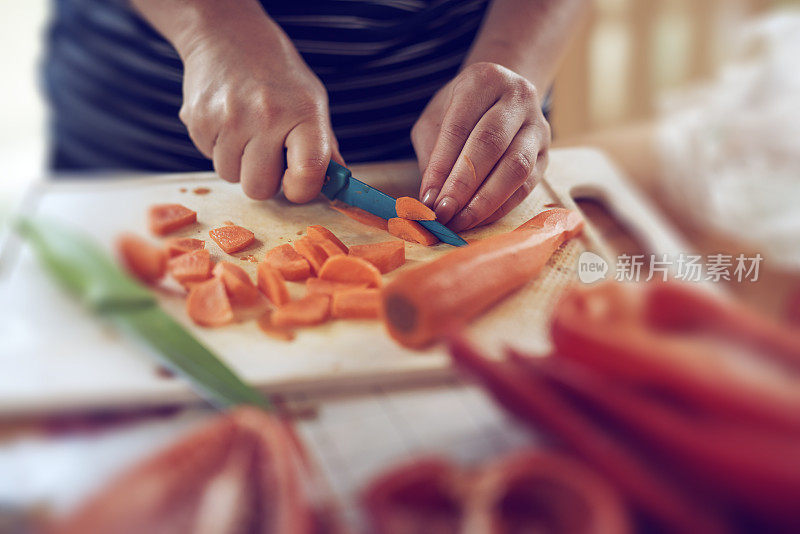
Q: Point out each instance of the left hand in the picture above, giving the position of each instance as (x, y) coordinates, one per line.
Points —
(490, 116)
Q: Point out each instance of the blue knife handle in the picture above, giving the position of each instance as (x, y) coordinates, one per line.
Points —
(338, 177)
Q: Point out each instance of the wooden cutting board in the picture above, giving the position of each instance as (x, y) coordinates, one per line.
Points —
(54, 356)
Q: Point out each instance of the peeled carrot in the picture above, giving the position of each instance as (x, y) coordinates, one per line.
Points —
(265, 325)
(232, 238)
(191, 267)
(208, 304)
(145, 261)
(421, 304)
(166, 218)
(552, 217)
(351, 270)
(413, 209)
(411, 231)
(175, 246)
(289, 263)
(241, 290)
(386, 256)
(357, 214)
(312, 252)
(326, 287)
(356, 304)
(309, 310)
(271, 283)
(320, 234)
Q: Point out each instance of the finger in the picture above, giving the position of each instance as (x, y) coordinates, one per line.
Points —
(262, 167)
(201, 128)
(308, 151)
(510, 172)
(463, 113)
(520, 194)
(486, 144)
(227, 156)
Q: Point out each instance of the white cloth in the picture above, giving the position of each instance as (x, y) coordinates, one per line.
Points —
(731, 148)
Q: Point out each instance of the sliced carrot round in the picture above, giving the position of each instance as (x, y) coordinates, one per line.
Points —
(350, 270)
(356, 304)
(241, 290)
(166, 218)
(386, 256)
(413, 209)
(411, 231)
(289, 262)
(208, 304)
(175, 246)
(312, 252)
(326, 287)
(232, 238)
(320, 234)
(272, 284)
(145, 261)
(191, 267)
(308, 311)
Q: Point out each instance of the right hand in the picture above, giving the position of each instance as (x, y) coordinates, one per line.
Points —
(247, 95)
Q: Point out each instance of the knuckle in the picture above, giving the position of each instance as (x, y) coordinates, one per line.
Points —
(491, 140)
(523, 89)
(518, 165)
(487, 72)
(461, 187)
(438, 169)
(455, 131)
(311, 165)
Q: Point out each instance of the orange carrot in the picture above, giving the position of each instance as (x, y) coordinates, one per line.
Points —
(243, 294)
(291, 265)
(320, 234)
(386, 256)
(413, 209)
(411, 231)
(166, 218)
(552, 217)
(312, 252)
(175, 246)
(326, 287)
(309, 310)
(232, 238)
(266, 326)
(191, 267)
(208, 304)
(356, 304)
(357, 214)
(350, 270)
(421, 304)
(145, 261)
(272, 284)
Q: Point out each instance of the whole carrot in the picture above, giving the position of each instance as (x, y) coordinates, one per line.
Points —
(420, 304)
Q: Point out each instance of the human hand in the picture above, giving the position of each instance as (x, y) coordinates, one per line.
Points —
(481, 144)
(247, 95)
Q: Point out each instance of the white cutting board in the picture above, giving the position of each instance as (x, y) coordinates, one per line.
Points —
(54, 356)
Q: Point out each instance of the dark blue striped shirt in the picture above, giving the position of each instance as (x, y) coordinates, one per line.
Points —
(114, 84)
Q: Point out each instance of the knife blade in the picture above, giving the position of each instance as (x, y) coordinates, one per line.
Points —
(342, 186)
(98, 283)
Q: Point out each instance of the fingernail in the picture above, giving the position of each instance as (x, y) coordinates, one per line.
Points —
(446, 209)
(430, 197)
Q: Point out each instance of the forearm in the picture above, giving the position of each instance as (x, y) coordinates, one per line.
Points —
(528, 36)
(184, 23)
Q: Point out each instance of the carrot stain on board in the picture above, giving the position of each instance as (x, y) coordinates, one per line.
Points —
(201, 190)
(182, 189)
(250, 258)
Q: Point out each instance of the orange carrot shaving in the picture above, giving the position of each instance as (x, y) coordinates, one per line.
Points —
(145, 261)
(208, 304)
(272, 284)
(326, 287)
(413, 209)
(166, 218)
(551, 218)
(312, 252)
(357, 214)
(350, 270)
(420, 304)
(411, 231)
(232, 238)
(191, 267)
(309, 310)
(386, 256)
(175, 246)
(356, 304)
(243, 294)
(320, 234)
(291, 265)
(276, 332)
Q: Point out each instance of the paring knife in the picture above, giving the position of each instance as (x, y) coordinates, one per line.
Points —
(343, 187)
